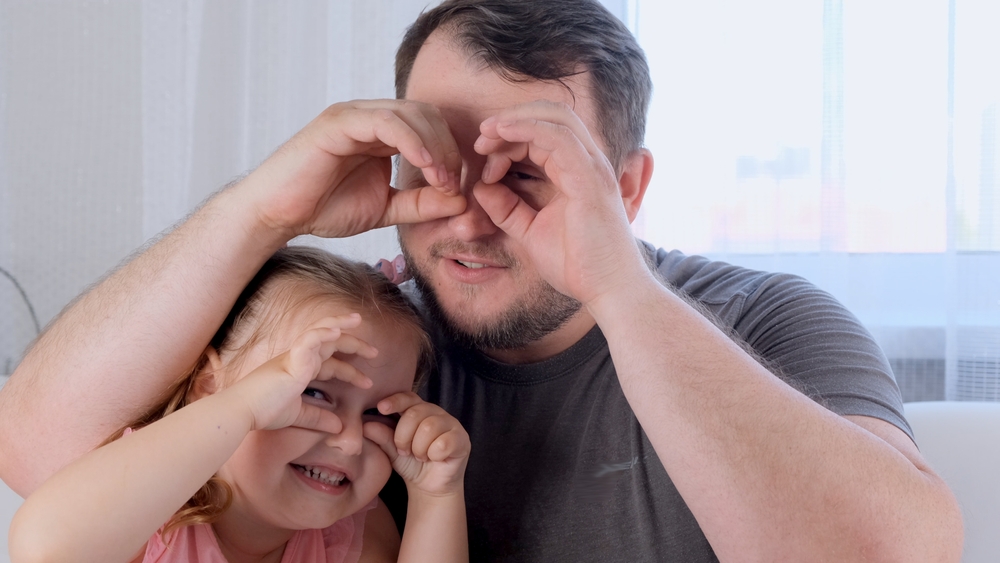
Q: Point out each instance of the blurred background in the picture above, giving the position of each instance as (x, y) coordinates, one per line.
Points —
(855, 144)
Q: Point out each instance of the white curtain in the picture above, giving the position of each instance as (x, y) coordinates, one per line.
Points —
(854, 143)
(118, 118)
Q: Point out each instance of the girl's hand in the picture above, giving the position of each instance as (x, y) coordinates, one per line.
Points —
(273, 391)
(429, 448)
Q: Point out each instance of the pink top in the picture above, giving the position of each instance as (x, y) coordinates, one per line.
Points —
(340, 543)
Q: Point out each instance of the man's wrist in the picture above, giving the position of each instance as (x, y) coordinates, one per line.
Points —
(631, 295)
(233, 208)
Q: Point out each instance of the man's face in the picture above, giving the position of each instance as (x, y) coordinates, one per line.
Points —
(476, 278)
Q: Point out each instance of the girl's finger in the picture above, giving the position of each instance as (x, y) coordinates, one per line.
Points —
(382, 436)
(347, 344)
(427, 431)
(334, 368)
(409, 421)
(399, 402)
(350, 320)
(312, 417)
(451, 444)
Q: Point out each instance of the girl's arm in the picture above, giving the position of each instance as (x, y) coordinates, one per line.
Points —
(106, 505)
(429, 449)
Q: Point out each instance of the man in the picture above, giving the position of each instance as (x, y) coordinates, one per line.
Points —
(610, 418)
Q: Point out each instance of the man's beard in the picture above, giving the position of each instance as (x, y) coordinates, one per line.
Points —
(541, 311)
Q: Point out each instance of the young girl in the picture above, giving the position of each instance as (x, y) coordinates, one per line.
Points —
(291, 423)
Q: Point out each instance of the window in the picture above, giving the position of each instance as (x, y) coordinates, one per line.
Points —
(855, 144)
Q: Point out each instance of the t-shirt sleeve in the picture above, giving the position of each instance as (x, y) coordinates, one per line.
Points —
(820, 348)
(801, 332)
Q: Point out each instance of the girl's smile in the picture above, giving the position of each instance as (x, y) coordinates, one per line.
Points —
(329, 476)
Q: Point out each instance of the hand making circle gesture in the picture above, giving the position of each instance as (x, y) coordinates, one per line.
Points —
(576, 229)
(332, 179)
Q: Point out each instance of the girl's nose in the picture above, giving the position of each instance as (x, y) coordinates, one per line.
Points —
(349, 440)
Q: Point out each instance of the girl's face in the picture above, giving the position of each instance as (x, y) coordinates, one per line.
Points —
(294, 478)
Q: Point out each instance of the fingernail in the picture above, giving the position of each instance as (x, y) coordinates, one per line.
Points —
(442, 174)
(490, 121)
(426, 155)
(486, 172)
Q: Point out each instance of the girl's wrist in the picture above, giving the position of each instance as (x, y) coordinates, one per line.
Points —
(444, 495)
(235, 405)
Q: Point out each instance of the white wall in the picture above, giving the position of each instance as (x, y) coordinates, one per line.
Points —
(118, 117)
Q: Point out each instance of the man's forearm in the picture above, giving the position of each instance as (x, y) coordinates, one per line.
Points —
(769, 474)
(113, 352)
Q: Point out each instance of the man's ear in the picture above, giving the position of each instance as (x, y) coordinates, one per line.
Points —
(208, 378)
(636, 173)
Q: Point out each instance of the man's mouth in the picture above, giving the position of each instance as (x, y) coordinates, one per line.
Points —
(472, 265)
(323, 475)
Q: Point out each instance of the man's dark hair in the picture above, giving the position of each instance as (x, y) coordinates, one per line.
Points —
(549, 40)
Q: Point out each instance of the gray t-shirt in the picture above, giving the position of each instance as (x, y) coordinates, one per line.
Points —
(560, 468)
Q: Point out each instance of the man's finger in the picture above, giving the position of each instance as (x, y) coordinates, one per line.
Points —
(506, 210)
(427, 121)
(420, 204)
(542, 111)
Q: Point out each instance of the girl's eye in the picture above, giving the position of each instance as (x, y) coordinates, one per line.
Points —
(315, 394)
(372, 415)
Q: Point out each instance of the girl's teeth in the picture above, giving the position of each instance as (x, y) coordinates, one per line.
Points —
(322, 475)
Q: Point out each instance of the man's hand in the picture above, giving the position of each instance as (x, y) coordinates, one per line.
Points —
(577, 235)
(332, 178)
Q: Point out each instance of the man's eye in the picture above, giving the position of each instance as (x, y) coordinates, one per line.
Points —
(521, 176)
(315, 394)
(372, 415)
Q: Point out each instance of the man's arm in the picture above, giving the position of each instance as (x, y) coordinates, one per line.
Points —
(112, 353)
(769, 474)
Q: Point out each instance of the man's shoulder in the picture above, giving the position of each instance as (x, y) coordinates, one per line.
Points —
(707, 280)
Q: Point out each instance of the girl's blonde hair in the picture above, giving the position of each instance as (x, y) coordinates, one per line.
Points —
(291, 278)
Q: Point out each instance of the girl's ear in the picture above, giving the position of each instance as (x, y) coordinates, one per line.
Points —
(208, 378)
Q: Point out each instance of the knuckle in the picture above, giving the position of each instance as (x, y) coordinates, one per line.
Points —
(383, 114)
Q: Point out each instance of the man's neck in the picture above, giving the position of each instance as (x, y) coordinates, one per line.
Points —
(549, 345)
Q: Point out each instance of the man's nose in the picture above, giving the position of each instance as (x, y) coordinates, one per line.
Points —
(350, 440)
(473, 223)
